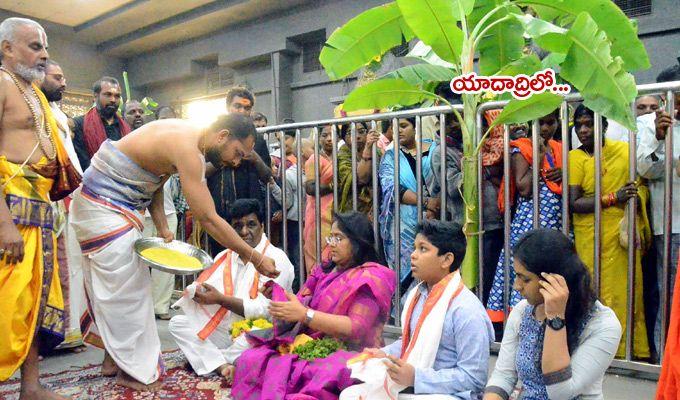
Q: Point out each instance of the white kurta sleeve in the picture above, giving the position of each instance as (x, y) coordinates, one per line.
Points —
(259, 306)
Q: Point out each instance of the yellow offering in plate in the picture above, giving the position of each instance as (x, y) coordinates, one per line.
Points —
(171, 258)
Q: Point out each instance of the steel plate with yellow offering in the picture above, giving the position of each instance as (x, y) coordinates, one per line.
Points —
(176, 257)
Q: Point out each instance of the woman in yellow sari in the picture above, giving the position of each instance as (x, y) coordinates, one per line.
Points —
(616, 190)
(326, 192)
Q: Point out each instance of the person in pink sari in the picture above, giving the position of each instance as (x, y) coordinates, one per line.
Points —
(348, 299)
(326, 192)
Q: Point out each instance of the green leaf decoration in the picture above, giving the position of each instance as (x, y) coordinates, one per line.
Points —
(423, 52)
(127, 86)
(553, 61)
(435, 23)
(546, 13)
(503, 43)
(546, 35)
(606, 87)
(363, 38)
(420, 74)
(385, 93)
(610, 19)
(532, 108)
(527, 65)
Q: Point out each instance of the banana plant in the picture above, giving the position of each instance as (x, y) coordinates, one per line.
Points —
(590, 44)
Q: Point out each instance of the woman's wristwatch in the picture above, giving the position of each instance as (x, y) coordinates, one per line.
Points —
(556, 323)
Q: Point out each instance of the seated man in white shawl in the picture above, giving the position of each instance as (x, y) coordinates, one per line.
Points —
(204, 331)
(444, 349)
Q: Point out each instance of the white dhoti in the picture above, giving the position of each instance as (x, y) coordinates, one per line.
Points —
(77, 305)
(207, 355)
(118, 286)
(420, 352)
(162, 283)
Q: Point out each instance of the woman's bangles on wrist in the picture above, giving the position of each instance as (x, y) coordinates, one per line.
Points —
(608, 199)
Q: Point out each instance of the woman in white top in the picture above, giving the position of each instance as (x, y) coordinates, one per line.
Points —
(560, 341)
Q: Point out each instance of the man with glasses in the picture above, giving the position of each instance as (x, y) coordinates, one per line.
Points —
(213, 304)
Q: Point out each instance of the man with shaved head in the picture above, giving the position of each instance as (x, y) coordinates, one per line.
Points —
(32, 159)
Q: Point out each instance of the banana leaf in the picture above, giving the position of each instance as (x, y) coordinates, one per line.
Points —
(435, 22)
(362, 39)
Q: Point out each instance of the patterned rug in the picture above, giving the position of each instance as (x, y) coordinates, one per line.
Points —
(87, 384)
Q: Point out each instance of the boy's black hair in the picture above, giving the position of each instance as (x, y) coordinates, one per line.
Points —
(447, 237)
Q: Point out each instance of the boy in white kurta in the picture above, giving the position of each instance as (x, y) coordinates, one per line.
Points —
(226, 293)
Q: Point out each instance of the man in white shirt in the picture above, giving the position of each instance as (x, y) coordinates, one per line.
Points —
(68, 249)
(227, 292)
(651, 159)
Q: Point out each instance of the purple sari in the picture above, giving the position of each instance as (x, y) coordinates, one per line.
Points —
(363, 294)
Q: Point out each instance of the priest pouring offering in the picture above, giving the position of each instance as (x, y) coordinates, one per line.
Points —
(125, 178)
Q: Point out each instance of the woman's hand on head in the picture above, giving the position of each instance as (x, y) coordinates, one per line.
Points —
(289, 311)
(555, 295)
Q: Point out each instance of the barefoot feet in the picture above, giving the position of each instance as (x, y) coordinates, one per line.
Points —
(39, 393)
(126, 380)
(227, 371)
(109, 367)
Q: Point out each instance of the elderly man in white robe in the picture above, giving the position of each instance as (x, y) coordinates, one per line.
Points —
(227, 292)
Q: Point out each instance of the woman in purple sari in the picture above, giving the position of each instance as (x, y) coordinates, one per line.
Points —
(348, 299)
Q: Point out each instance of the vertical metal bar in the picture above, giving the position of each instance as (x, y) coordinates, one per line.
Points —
(397, 223)
(480, 208)
(267, 202)
(632, 229)
(334, 138)
(597, 251)
(300, 203)
(374, 193)
(506, 222)
(535, 169)
(317, 195)
(566, 139)
(667, 221)
(355, 201)
(419, 168)
(442, 172)
(284, 185)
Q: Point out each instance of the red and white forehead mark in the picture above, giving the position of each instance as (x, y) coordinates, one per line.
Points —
(243, 102)
(43, 38)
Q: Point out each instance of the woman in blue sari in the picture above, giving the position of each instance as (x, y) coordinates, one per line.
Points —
(408, 198)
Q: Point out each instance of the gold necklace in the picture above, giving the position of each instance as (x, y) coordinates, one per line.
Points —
(42, 138)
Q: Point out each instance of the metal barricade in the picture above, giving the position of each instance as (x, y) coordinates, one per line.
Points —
(441, 113)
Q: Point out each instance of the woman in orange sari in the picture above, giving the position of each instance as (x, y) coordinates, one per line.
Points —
(326, 192)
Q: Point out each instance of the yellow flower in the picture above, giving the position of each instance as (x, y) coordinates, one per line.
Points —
(262, 323)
